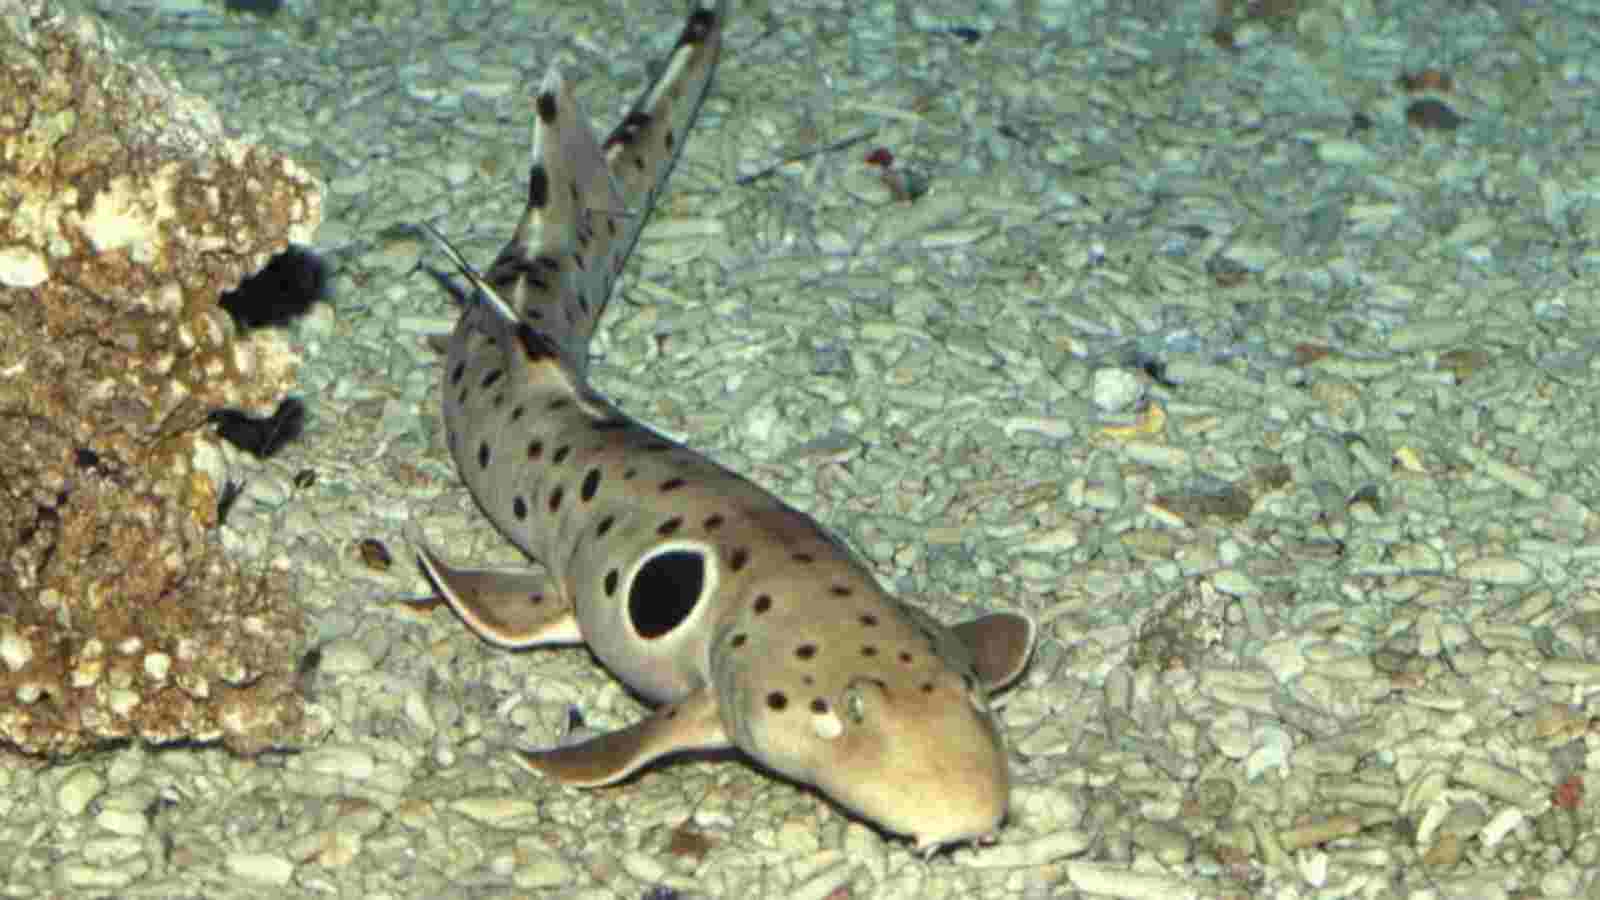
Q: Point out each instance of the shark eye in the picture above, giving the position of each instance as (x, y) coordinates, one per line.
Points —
(665, 590)
(855, 705)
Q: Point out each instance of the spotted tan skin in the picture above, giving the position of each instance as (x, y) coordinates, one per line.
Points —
(747, 622)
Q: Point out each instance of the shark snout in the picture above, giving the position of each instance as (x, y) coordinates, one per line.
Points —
(921, 760)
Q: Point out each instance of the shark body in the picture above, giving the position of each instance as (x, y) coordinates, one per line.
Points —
(746, 622)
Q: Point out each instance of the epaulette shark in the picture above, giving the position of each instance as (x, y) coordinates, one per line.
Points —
(744, 620)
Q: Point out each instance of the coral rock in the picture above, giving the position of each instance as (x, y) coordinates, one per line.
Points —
(125, 212)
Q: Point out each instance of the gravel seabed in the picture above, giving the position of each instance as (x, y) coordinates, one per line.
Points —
(1274, 405)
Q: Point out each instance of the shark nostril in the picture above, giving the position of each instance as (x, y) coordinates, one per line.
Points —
(855, 706)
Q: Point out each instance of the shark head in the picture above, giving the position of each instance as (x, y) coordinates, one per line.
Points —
(880, 707)
(926, 762)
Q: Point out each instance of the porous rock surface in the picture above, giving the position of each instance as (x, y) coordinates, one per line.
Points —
(125, 211)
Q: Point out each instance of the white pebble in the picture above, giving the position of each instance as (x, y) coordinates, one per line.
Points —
(1049, 427)
(345, 657)
(123, 822)
(1501, 825)
(157, 665)
(1273, 746)
(1114, 390)
(1313, 866)
(1235, 583)
(81, 876)
(1344, 153)
(496, 810)
(15, 652)
(1505, 570)
(542, 870)
(78, 790)
(22, 267)
(267, 868)
(123, 701)
(416, 709)
(457, 173)
(344, 762)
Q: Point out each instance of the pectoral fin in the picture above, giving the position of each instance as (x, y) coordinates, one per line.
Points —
(692, 724)
(513, 608)
(1001, 644)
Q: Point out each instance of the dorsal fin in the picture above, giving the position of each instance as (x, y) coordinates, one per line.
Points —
(587, 202)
